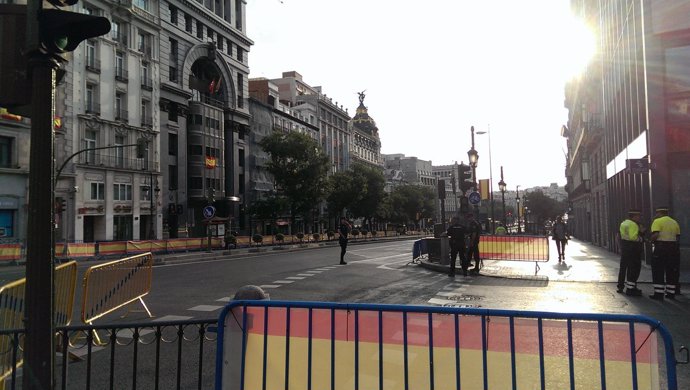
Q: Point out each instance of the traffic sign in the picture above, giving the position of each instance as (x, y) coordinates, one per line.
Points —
(474, 198)
(209, 212)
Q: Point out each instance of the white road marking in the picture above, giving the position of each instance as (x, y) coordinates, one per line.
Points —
(295, 277)
(224, 299)
(441, 302)
(205, 308)
(172, 318)
(270, 285)
(305, 274)
(283, 281)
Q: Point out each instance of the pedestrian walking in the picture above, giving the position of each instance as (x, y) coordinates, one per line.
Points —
(343, 231)
(665, 255)
(631, 254)
(456, 238)
(559, 233)
(474, 231)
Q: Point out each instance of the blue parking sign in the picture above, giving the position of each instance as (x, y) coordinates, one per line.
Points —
(475, 198)
(209, 212)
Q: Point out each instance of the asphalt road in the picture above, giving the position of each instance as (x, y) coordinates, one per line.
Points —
(198, 288)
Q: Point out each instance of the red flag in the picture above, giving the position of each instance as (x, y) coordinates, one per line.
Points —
(218, 85)
(212, 86)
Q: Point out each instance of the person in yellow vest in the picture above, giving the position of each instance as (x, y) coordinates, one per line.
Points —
(501, 230)
(666, 255)
(631, 254)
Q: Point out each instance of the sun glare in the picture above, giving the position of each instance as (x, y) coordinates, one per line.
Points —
(579, 47)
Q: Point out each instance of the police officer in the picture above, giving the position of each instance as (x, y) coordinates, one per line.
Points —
(631, 254)
(474, 231)
(666, 255)
(456, 237)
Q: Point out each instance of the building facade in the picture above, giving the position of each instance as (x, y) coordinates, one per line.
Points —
(14, 175)
(399, 169)
(629, 128)
(451, 203)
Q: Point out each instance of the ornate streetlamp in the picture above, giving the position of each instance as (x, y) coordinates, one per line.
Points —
(502, 187)
(517, 200)
(474, 158)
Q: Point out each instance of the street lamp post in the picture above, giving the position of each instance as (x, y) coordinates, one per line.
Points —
(491, 181)
(502, 187)
(524, 209)
(474, 158)
(517, 200)
(210, 200)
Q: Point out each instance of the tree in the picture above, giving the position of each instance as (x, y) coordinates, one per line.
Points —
(269, 208)
(412, 203)
(343, 191)
(372, 192)
(542, 207)
(299, 168)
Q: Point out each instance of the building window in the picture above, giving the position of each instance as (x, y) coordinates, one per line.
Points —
(172, 112)
(120, 68)
(195, 150)
(238, 15)
(97, 191)
(122, 227)
(120, 111)
(119, 152)
(91, 104)
(143, 4)
(188, 24)
(220, 42)
(144, 193)
(199, 30)
(146, 117)
(240, 54)
(172, 144)
(240, 88)
(7, 223)
(90, 142)
(91, 62)
(5, 152)
(195, 183)
(229, 48)
(240, 157)
(172, 177)
(122, 191)
(173, 14)
(144, 43)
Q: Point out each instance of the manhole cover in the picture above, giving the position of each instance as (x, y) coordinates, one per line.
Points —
(463, 305)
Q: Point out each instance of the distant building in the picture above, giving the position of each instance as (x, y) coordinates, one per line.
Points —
(399, 169)
(448, 173)
(366, 144)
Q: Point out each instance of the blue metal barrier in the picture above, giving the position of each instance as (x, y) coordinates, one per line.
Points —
(311, 345)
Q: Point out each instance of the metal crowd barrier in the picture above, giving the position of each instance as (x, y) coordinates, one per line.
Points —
(12, 300)
(110, 286)
(308, 345)
(515, 248)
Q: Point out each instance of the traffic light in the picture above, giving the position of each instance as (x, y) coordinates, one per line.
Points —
(60, 205)
(441, 189)
(142, 145)
(62, 31)
(465, 177)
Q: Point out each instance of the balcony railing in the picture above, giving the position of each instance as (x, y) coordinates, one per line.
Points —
(147, 121)
(147, 83)
(146, 49)
(121, 115)
(121, 74)
(93, 64)
(115, 160)
(93, 108)
(120, 38)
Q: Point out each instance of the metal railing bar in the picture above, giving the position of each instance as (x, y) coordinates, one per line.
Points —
(571, 358)
(159, 336)
(180, 337)
(333, 349)
(89, 340)
(431, 350)
(244, 345)
(457, 351)
(540, 331)
(380, 350)
(202, 335)
(287, 349)
(135, 356)
(65, 347)
(513, 368)
(485, 364)
(602, 364)
(405, 357)
(356, 350)
(309, 352)
(113, 342)
(633, 354)
(265, 356)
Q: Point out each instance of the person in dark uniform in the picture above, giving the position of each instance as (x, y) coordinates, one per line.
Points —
(559, 233)
(456, 238)
(665, 256)
(631, 254)
(343, 230)
(474, 231)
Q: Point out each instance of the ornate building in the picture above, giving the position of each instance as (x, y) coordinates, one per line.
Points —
(366, 144)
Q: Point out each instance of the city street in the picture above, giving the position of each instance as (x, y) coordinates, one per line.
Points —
(381, 272)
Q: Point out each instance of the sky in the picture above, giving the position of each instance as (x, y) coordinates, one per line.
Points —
(433, 69)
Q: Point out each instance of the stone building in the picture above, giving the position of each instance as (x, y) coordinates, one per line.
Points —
(366, 144)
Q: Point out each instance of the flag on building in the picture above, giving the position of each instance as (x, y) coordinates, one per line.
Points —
(210, 162)
(484, 188)
(218, 85)
(212, 86)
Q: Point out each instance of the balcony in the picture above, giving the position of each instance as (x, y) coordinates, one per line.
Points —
(147, 83)
(115, 160)
(121, 115)
(146, 49)
(120, 38)
(121, 74)
(92, 108)
(93, 65)
(147, 121)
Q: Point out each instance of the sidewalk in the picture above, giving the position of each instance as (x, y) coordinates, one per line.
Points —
(584, 262)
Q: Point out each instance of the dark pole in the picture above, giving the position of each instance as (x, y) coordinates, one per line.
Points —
(38, 320)
(517, 201)
(502, 187)
(151, 213)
